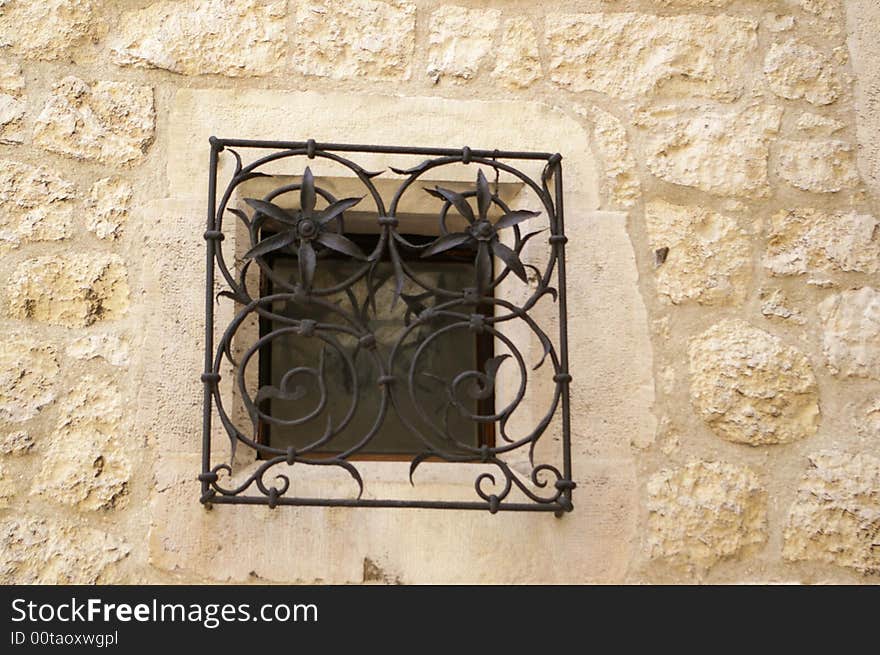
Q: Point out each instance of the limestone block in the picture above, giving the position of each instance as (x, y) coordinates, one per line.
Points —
(803, 241)
(12, 80)
(706, 256)
(111, 348)
(35, 550)
(750, 387)
(355, 39)
(95, 404)
(720, 152)
(85, 469)
(73, 290)
(236, 38)
(48, 29)
(107, 122)
(85, 464)
(796, 70)
(629, 55)
(622, 183)
(818, 125)
(12, 112)
(17, 442)
(35, 204)
(108, 204)
(517, 60)
(704, 512)
(835, 517)
(851, 332)
(459, 39)
(28, 372)
(12, 104)
(818, 166)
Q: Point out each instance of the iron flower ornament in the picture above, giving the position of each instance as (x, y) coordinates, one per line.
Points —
(307, 227)
(481, 232)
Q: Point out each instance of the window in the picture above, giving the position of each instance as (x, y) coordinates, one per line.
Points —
(285, 400)
(362, 329)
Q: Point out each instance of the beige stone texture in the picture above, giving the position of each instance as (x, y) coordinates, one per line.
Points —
(73, 290)
(819, 125)
(111, 348)
(796, 70)
(8, 488)
(518, 59)
(835, 517)
(16, 442)
(459, 41)
(775, 304)
(702, 255)
(35, 204)
(85, 469)
(863, 25)
(818, 166)
(622, 187)
(355, 39)
(48, 29)
(28, 371)
(851, 332)
(722, 152)
(35, 550)
(85, 465)
(809, 241)
(95, 404)
(12, 80)
(704, 512)
(629, 55)
(12, 103)
(107, 207)
(12, 112)
(107, 122)
(236, 38)
(751, 388)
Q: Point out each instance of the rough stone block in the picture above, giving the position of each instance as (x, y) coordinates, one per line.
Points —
(806, 241)
(703, 513)
(73, 290)
(459, 40)
(35, 204)
(355, 39)
(835, 517)
(28, 372)
(107, 122)
(700, 254)
(717, 151)
(750, 387)
(629, 56)
(35, 550)
(851, 332)
(236, 38)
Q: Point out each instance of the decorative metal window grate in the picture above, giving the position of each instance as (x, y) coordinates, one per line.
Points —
(298, 280)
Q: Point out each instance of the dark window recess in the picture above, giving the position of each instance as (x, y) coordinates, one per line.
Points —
(360, 331)
(443, 359)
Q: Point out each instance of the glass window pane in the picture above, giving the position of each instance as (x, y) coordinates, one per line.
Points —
(298, 396)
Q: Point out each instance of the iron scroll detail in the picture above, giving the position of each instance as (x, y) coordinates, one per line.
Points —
(516, 249)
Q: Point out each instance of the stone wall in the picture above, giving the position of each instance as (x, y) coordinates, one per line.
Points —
(724, 226)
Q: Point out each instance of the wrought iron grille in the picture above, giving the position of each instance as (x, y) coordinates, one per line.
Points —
(487, 227)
